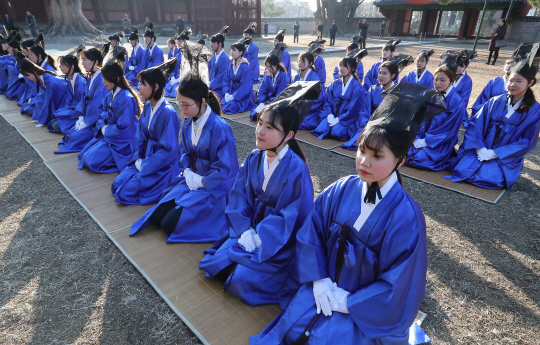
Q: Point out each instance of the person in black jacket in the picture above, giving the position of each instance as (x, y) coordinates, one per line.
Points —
(363, 26)
(333, 31)
(126, 26)
(320, 29)
(265, 28)
(497, 34)
(296, 30)
(180, 25)
(9, 23)
(31, 21)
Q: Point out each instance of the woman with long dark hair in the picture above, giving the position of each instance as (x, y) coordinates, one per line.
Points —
(271, 197)
(155, 161)
(115, 139)
(90, 106)
(192, 207)
(497, 35)
(63, 119)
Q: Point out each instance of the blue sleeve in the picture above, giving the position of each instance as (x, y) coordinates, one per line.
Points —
(360, 72)
(227, 80)
(125, 114)
(350, 113)
(336, 73)
(246, 86)
(466, 91)
(484, 96)
(283, 82)
(329, 102)
(449, 128)
(263, 95)
(371, 77)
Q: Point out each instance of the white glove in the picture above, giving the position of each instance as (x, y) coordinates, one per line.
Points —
(82, 125)
(231, 97)
(103, 129)
(131, 68)
(197, 179)
(29, 100)
(188, 174)
(336, 121)
(259, 108)
(330, 119)
(491, 155)
(341, 298)
(257, 240)
(21, 76)
(138, 164)
(419, 143)
(246, 240)
(482, 154)
(173, 80)
(227, 97)
(324, 296)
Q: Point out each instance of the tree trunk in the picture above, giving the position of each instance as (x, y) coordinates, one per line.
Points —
(328, 10)
(67, 19)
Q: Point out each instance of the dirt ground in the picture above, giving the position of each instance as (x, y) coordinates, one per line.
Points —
(62, 281)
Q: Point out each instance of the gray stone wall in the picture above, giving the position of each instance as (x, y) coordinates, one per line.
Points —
(308, 26)
(526, 30)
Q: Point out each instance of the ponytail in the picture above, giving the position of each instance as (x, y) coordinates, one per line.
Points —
(213, 102)
(295, 146)
(528, 100)
(50, 61)
(114, 73)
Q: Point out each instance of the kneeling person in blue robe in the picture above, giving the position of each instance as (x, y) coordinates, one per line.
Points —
(115, 139)
(238, 87)
(421, 75)
(495, 87)
(174, 78)
(218, 64)
(361, 254)
(155, 161)
(135, 63)
(306, 72)
(353, 45)
(271, 197)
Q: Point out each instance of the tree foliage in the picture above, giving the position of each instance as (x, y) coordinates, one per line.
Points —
(270, 10)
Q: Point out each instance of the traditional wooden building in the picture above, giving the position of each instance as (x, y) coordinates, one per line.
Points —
(400, 12)
(207, 16)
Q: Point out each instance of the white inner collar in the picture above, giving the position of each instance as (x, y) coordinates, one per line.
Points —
(154, 109)
(136, 48)
(218, 55)
(269, 170)
(345, 86)
(456, 83)
(72, 81)
(152, 48)
(115, 92)
(450, 88)
(43, 63)
(512, 109)
(305, 75)
(98, 72)
(367, 209)
(418, 78)
(274, 78)
(200, 124)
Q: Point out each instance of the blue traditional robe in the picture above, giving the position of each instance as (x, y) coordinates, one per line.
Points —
(345, 107)
(112, 151)
(51, 96)
(286, 61)
(157, 141)
(276, 214)
(241, 87)
(170, 88)
(372, 76)
(270, 88)
(153, 56)
(90, 106)
(27, 106)
(15, 85)
(370, 104)
(495, 87)
(203, 210)
(75, 93)
(511, 139)
(359, 72)
(441, 136)
(136, 60)
(252, 55)
(4, 77)
(464, 88)
(425, 79)
(384, 270)
(320, 67)
(217, 67)
(313, 118)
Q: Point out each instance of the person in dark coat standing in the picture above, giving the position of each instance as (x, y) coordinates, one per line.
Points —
(265, 29)
(363, 27)
(126, 26)
(320, 29)
(31, 21)
(147, 24)
(180, 25)
(497, 34)
(333, 31)
(9, 23)
(383, 26)
(296, 31)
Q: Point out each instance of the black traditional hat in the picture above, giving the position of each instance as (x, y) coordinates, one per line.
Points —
(220, 36)
(15, 42)
(116, 37)
(150, 31)
(134, 35)
(280, 36)
(357, 54)
(185, 35)
(451, 60)
(525, 62)
(103, 49)
(24, 63)
(426, 53)
(356, 39)
(278, 50)
(300, 96)
(26, 44)
(120, 59)
(401, 113)
(392, 44)
(164, 68)
(39, 41)
(12, 34)
(251, 28)
(244, 40)
(469, 54)
(315, 48)
(75, 52)
(401, 61)
(195, 57)
(202, 39)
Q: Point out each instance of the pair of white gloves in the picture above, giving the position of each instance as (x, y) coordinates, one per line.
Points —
(174, 80)
(259, 108)
(131, 68)
(419, 143)
(228, 97)
(332, 120)
(250, 240)
(194, 181)
(80, 123)
(329, 297)
(485, 155)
